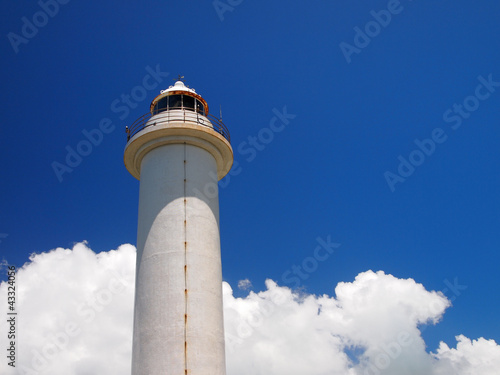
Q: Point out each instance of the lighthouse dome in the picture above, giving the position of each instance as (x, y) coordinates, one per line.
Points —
(179, 85)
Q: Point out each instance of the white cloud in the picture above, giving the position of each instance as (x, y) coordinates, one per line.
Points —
(75, 318)
(244, 284)
(74, 312)
(470, 357)
(299, 334)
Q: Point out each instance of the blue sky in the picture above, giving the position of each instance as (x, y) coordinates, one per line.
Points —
(431, 71)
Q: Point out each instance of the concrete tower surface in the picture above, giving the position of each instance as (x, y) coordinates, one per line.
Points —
(175, 151)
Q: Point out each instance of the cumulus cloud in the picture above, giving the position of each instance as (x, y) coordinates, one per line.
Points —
(375, 316)
(470, 357)
(244, 284)
(74, 312)
(76, 309)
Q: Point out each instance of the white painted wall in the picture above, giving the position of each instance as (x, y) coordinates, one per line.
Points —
(161, 302)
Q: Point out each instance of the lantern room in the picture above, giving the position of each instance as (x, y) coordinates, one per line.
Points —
(179, 97)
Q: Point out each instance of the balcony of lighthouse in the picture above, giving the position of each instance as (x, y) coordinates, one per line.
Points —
(175, 109)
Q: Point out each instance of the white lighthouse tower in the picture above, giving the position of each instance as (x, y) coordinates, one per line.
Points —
(175, 151)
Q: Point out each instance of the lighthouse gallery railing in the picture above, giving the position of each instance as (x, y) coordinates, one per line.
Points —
(142, 122)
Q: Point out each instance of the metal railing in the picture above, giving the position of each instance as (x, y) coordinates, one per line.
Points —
(173, 114)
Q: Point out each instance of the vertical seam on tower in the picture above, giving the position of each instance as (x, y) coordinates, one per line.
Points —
(185, 267)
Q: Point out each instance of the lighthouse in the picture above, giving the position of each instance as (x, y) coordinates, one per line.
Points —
(177, 150)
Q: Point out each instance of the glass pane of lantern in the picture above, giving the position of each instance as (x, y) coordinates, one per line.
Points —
(200, 107)
(188, 102)
(174, 101)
